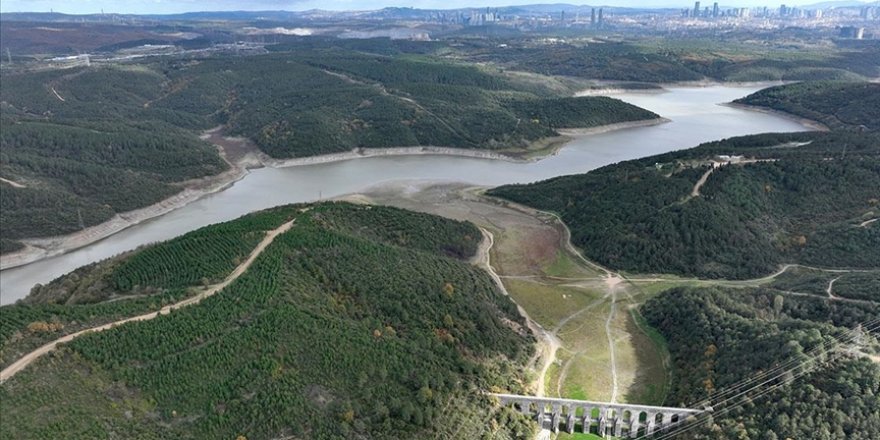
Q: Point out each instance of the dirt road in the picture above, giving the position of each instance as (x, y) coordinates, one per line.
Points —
(12, 183)
(27, 359)
(551, 344)
(696, 191)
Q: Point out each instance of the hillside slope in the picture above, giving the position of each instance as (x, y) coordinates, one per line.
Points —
(723, 339)
(838, 105)
(82, 144)
(793, 198)
(359, 322)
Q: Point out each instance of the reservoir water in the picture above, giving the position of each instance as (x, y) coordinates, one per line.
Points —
(695, 115)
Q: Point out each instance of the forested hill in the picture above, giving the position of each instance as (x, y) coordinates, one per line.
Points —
(838, 105)
(719, 339)
(359, 322)
(82, 144)
(791, 198)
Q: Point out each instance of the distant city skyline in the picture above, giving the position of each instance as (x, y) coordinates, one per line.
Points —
(178, 6)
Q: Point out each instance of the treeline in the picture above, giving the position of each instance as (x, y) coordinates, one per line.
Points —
(719, 338)
(838, 105)
(92, 142)
(306, 102)
(26, 326)
(671, 60)
(804, 204)
(352, 324)
(87, 145)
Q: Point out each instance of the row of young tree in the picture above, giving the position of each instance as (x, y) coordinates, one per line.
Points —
(356, 322)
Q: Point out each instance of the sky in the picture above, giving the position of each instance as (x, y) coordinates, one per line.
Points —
(176, 6)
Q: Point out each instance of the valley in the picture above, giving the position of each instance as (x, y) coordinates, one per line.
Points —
(408, 223)
(324, 180)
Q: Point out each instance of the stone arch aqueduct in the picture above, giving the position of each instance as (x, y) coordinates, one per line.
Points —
(602, 418)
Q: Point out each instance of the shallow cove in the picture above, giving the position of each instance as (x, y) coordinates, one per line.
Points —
(695, 118)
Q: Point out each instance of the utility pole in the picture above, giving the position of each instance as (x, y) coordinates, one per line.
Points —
(79, 214)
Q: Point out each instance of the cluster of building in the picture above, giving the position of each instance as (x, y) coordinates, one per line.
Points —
(783, 12)
(714, 12)
(702, 16)
(66, 62)
(478, 17)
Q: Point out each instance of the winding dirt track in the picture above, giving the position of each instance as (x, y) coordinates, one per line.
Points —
(552, 342)
(27, 359)
(696, 191)
(12, 183)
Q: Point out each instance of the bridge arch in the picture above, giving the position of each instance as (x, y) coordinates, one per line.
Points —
(601, 418)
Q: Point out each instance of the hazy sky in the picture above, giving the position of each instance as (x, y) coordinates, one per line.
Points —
(173, 6)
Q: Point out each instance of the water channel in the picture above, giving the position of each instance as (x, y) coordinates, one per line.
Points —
(695, 115)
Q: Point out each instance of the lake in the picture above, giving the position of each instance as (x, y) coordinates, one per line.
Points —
(695, 113)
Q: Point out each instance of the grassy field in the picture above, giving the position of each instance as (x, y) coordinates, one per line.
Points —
(565, 296)
(548, 304)
(572, 300)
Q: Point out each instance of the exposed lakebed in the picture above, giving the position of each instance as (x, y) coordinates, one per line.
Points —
(695, 115)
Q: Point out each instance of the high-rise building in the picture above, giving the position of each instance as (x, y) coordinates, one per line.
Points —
(854, 32)
(696, 9)
(593, 17)
(715, 10)
(601, 19)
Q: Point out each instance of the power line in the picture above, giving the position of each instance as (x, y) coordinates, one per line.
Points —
(821, 348)
(672, 430)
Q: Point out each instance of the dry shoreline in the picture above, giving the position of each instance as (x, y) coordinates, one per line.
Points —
(41, 248)
(815, 125)
(37, 249)
(612, 127)
(427, 150)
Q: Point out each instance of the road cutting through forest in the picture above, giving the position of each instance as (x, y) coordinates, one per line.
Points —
(29, 358)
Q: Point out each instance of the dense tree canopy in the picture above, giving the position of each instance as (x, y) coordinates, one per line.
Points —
(802, 201)
(90, 142)
(839, 105)
(358, 322)
(718, 338)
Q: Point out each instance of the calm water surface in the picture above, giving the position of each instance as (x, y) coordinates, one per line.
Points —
(695, 114)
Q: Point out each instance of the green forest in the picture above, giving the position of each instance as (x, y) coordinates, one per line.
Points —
(795, 207)
(837, 104)
(84, 144)
(719, 337)
(99, 152)
(669, 59)
(355, 323)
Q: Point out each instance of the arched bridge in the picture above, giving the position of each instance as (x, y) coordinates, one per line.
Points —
(602, 418)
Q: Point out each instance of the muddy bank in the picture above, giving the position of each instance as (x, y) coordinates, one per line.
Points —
(39, 248)
(809, 123)
(241, 154)
(611, 127)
